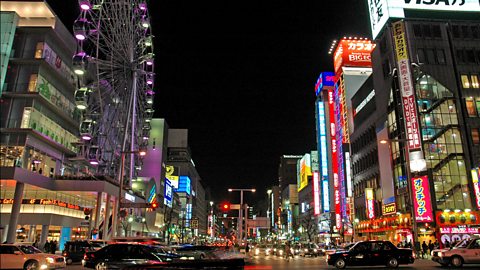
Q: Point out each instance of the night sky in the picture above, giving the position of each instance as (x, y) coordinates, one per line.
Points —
(240, 75)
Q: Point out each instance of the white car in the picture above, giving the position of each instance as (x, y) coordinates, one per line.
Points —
(465, 252)
(20, 256)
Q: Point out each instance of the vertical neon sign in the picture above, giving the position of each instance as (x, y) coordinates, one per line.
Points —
(322, 131)
(316, 194)
(422, 201)
(333, 143)
(476, 186)
(370, 203)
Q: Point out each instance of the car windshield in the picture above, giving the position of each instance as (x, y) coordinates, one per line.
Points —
(29, 249)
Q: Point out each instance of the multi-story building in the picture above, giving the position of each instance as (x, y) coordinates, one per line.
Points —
(189, 185)
(287, 170)
(46, 191)
(426, 68)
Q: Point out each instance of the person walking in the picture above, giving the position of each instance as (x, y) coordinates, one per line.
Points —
(46, 247)
(54, 246)
(424, 249)
(431, 247)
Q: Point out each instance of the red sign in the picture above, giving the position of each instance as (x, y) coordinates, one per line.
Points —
(370, 203)
(316, 194)
(459, 230)
(353, 53)
(333, 143)
(422, 201)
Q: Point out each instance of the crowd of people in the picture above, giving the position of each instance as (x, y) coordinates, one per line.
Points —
(49, 247)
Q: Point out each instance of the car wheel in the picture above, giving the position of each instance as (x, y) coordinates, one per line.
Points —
(340, 263)
(202, 256)
(392, 262)
(444, 264)
(457, 261)
(31, 265)
(68, 261)
(100, 266)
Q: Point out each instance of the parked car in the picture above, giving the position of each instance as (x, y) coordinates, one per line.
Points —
(465, 252)
(73, 251)
(20, 256)
(122, 253)
(309, 249)
(370, 253)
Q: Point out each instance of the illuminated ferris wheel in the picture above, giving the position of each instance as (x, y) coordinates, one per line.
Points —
(114, 63)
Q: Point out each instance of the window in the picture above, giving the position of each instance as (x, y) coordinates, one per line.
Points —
(466, 32)
(431, 56)
(470, 107)
(465, 81)
(39, 50)
(421, 55)
(470, 56)
(475, 136)
(417, 30)
(437, 33)
(441, 56)
(32, 83)
(474, 79)
(427, 31)
(456, 31)
(475, 33)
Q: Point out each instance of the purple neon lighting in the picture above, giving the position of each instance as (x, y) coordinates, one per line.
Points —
(86, 137)
(142, 6)
(80, 36)
(93, 162)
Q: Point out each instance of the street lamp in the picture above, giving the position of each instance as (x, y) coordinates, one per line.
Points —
(240, 214)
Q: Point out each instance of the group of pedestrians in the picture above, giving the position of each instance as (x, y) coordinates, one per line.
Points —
(428, 248)
(49, 247)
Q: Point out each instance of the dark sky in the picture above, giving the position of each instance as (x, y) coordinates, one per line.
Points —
(240, 76)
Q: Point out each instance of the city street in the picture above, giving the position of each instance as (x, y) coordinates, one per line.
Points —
(259, 263)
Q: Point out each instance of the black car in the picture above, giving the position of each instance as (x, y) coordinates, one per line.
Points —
(73, 251)
(370, 253)
(122, 253)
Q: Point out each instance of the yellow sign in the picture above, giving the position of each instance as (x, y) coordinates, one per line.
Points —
(400, 41)
(305, 172)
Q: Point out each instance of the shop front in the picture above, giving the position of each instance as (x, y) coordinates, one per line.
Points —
(395, 229)
(454, 226)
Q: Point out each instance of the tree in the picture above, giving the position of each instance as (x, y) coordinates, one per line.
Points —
(309, 224)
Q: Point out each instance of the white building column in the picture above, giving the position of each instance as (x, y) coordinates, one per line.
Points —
(43, 236)
(106, 222)
(17, 203)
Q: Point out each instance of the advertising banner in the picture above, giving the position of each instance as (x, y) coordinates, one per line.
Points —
(316, 194)
(353, 53)
(184, 185)
(422, 201)
(325, 80)
(370, 202)
(305, 171)
(389, 209)
(168, 193)
(172, 173)
(334, 155)
(382, 10)
(476, 186)
(406, 87)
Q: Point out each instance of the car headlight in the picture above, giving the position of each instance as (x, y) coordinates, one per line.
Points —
(257, 251)
(440, 254)
(306, 250)
(50, 260)
(281, 252)
(274, 249)
(314, 250)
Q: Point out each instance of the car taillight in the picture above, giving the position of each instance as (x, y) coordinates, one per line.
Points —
(65, 254)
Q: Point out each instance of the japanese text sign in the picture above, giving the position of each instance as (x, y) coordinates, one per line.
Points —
(422, 202)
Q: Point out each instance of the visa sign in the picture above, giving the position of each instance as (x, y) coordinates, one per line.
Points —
(324, 81)
(382, 10)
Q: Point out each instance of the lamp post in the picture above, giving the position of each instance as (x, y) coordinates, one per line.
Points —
(240, 214)
(409, 186)
(270, 210)
(120, 189)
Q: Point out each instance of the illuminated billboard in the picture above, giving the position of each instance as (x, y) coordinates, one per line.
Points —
(476, 186)
(370, 202)
(316, 194)
(324, 81)
(168, 193)
(172, 173)
(184, 185)
(422, 201)
(382, 10)
(323, 156)
(305, 171)
(353, 53)
(333, 144)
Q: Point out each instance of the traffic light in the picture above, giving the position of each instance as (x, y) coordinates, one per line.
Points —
(153, 205)
(225, 206)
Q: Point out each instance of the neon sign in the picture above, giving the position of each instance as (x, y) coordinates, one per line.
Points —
(333, 143)
(322, 131)
(370, 203)
(422, 199)
(316, 194)
(326, 79)
(476, 186)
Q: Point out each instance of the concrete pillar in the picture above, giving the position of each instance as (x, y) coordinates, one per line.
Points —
(43, 236)
(3, 233)
(32, 233)
(98, 210)
(106, 223)
(17, 203)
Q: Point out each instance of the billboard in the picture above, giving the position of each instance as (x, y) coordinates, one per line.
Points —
(353, 53)
(406, 87)
(172, 173)
(184, 185)
(422, 201)
(316, 194)
(476, 186)
(305, 171)
(323, 156)
(370, 203)
(168, 193)
(324, 81)
(382, 10)
(334, 156)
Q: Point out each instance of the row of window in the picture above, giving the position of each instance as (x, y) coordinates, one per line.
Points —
(467, 56)
(365, 139)
(431, 56)
(427, 31)
(466, 31)
(476, 136)
(366, 162)
(470, 81)
(473, 107)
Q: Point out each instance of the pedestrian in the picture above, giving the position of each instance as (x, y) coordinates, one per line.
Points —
(424, 249)
(46, 247)
(53, 246)
(431, 246)
(447, 244)
(287, 251)
(247, 249)
(436, 244)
